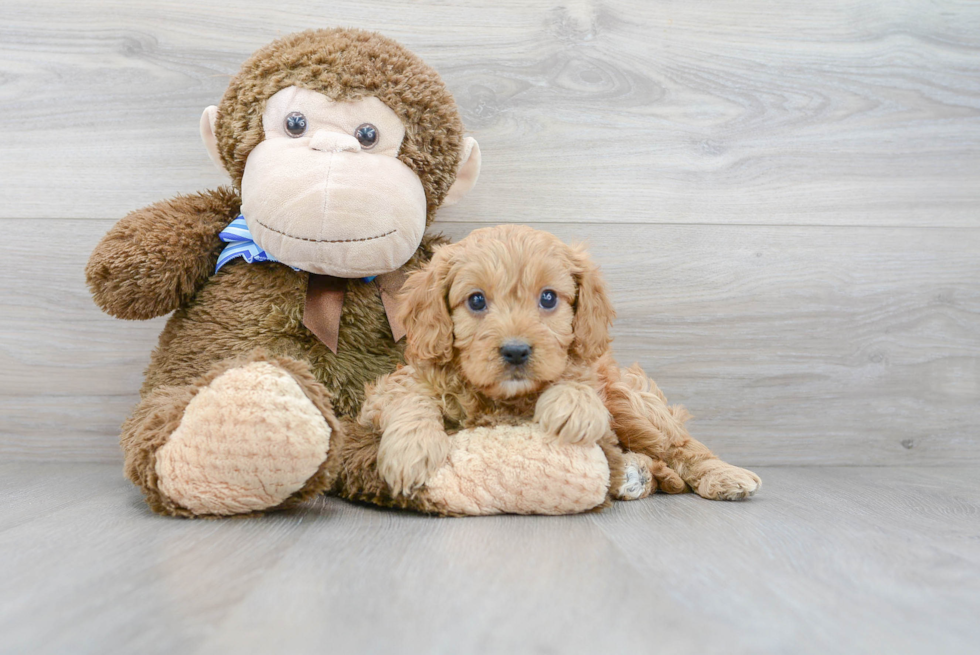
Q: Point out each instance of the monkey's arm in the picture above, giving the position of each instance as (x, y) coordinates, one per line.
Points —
(154, 259)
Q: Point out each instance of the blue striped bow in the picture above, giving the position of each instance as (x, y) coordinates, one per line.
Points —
(240, 244)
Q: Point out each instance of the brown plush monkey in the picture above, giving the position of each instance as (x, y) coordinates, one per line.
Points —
(340, 145)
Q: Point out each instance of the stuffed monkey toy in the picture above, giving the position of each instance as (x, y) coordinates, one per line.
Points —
(340, 145)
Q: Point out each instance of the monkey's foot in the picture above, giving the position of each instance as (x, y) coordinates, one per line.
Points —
(723, 481)
(249, 441)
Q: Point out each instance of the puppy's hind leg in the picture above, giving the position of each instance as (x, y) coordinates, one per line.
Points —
(642, 476)
(633, 476)
(667, 479)
(645, 423)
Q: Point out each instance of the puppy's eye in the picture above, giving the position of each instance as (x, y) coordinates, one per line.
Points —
(477, 302)
(366, 135)
(295, 124)
(548, 300)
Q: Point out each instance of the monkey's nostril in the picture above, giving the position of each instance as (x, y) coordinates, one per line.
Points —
(515, 352)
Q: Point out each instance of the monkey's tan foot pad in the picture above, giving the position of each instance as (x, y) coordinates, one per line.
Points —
(246, 442)
(517, 470)
(726, 482)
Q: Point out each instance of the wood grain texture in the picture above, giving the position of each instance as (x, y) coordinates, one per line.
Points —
(858, 112)
(784, 199)
(855, 560)
(788, 344)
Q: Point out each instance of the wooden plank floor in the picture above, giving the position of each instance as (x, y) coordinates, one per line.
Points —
(825, 560)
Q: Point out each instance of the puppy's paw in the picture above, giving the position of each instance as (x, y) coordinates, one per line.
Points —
(406, 459)
(727, 482)
(638, 481)
(573, 413)
(642, 476)
(667, 479)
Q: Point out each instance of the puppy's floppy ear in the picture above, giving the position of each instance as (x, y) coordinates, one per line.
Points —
(593, 310)
(424, 311)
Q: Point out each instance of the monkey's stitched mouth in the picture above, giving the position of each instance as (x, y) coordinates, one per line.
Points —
(290, 236)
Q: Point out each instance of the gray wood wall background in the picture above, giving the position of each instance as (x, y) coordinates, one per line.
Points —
(785, 197)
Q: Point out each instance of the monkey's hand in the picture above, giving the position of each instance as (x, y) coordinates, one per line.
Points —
(572, 412)
(154, 259)
(410, 454)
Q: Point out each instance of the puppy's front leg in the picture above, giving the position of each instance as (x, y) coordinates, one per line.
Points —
(573, 412)
(409, 453)
(414, 443)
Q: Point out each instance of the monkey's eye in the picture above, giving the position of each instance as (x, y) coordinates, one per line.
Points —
(548, 300)
(295, 124)
(367, 135)
(477, 302)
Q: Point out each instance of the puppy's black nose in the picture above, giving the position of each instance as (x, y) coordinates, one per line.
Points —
(515, 352)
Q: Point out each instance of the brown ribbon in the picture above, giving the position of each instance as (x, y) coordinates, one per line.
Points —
(325, 303)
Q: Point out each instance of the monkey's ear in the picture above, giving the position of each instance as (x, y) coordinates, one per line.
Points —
(469, 170)
(208, 119)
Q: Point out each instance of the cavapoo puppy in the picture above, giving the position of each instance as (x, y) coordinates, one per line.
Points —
(511, 325)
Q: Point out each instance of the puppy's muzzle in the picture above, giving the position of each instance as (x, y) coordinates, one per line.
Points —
(515, 353)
